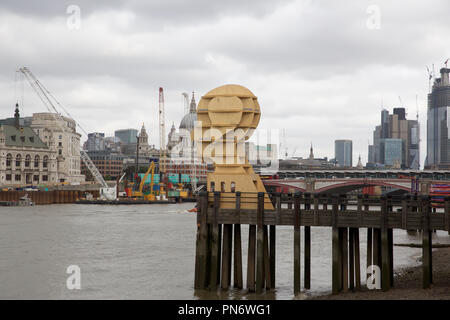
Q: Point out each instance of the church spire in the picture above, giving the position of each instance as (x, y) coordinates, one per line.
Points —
(311, 153)
(17, 116)
(193, 106)
(359, 165)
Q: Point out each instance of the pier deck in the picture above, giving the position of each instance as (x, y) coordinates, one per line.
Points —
(219, 237)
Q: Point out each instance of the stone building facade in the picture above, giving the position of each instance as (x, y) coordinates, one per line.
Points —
(24, 158)
(62, 133)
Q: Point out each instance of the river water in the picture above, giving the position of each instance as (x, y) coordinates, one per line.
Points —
(139, 252)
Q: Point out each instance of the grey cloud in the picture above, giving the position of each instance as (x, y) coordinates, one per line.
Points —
(171, 11)
(316, 68)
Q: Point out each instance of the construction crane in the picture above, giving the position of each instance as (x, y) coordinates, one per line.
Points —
(162, 132)
(139, 193)
(186, 102)
(430, 76)
(49, 101)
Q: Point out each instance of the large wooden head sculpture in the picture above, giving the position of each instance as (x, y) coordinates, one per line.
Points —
(227, 117)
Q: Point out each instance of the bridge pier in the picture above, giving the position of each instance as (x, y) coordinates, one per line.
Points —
(307, 245)
(427, 261)
(237, 268)
(219, 246)
(296, 244)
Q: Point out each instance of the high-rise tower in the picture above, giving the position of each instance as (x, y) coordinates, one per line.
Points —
(438, 123)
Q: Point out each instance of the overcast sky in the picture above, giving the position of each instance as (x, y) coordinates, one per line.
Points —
(320, 69)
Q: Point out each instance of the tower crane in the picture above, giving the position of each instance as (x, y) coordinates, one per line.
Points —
(162, 132)
(49, 101)
(186, 102)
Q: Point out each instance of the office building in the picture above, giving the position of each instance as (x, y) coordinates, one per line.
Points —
(95, 142)
(395, 127)
(391, 152)
(343, 153)
(438, 142)
(127, 136)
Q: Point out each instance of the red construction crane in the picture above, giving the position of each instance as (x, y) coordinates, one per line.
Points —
(162, 131)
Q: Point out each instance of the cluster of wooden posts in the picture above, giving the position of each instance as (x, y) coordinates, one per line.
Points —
(46, 197)
(219, 237)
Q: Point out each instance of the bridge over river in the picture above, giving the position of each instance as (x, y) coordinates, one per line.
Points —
(344, 185)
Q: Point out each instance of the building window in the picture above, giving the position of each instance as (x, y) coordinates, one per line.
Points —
(60, 152)
(213, 185)
(60, 144)
(36, 162)
(45, 162)
(8, 177)
(18, 160)
(45, 178)
(222, 186)
(13, 138)
(31, 139)
(27, 161)
(233, 187)
(8, 160)
(36, 177)
(17, 177)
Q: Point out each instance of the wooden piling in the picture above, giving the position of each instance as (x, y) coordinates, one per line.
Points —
(385, 250)
(307, 257)
(391, 256)
(365, 201)
(359, 209)
(237, 247)
(376, 248)
(316, 209)
(336, 260)
(426, 243)
(272, 237)
(357, 258)
(201, 261)
(447, 214)
(290, 201)
(351, 259)
(219, 254)
(405, 211)
(226, 255)
(259, 243)
(307, 244)
(344, 260)
(251, 258)
(272, 254)
(296, 243)
(267, 277)
(215, 244)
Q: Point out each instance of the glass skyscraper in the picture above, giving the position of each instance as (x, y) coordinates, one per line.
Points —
(343, 152)
(391, 151)
(438, 123)
(126, 135)
(395, 141)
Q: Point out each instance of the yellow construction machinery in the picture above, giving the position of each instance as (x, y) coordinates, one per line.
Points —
(140, 194)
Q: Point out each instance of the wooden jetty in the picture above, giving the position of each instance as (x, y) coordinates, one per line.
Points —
(125, 201)
(219, 246)
(46, 197)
